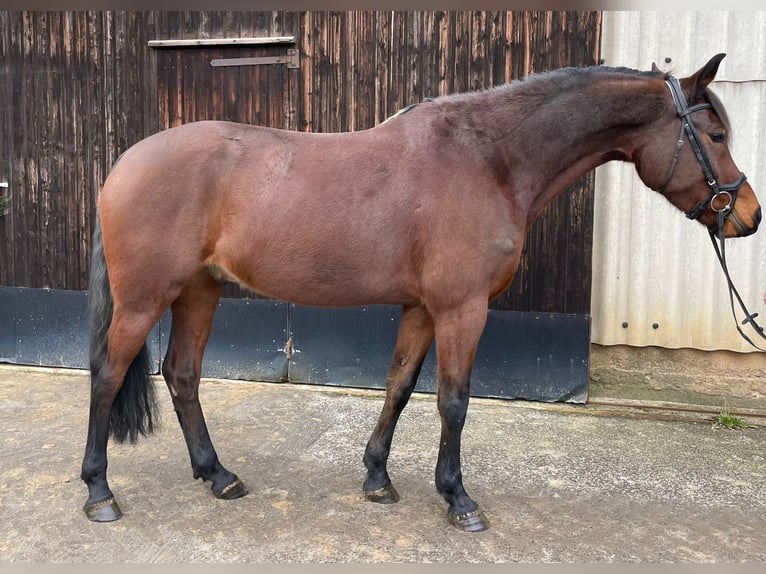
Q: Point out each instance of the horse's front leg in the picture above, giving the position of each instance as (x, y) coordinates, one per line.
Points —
(416, 331)
(457, 335)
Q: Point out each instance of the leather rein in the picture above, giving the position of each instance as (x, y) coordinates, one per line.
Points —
(727, 192)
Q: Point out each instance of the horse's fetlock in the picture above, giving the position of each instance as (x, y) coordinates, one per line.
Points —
(207, 467)
(90, 474)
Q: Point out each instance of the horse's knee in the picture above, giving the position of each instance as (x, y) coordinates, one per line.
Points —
(453, 404)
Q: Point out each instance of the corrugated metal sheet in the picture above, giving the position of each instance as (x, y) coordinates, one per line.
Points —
(654, 270)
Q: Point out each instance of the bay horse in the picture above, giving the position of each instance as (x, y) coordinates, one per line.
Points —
(427, 210)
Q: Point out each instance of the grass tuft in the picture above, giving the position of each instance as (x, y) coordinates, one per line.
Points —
(726, 420)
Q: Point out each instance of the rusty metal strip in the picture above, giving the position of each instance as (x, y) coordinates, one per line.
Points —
(290, 59)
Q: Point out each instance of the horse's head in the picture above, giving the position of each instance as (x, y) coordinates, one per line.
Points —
(687, 158)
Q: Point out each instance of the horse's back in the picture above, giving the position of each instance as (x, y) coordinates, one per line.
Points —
(322, 219)
(273, 209)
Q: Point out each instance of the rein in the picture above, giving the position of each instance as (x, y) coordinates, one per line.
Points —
(721, 255)
(728, 192)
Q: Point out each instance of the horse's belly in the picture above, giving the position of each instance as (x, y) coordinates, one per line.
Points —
(331, 283)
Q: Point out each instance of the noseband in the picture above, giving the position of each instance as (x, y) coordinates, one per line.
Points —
(727, 192)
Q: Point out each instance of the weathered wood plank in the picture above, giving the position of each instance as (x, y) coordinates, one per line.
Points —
(81, 87)
(6, 152)
(201, 42)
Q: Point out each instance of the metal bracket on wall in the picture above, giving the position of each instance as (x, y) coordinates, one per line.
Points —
(290, 59)
(4, 195)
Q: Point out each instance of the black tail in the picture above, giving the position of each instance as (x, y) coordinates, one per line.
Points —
(134, 410)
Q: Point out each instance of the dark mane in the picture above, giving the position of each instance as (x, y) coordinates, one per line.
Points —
(543, 83)
(565, 77)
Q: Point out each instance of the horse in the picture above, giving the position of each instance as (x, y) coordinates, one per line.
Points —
(427, 211)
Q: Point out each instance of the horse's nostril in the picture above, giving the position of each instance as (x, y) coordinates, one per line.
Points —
(744, 232)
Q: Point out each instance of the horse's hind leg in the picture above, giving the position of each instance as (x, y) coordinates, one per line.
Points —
(416, 332)
(125, 354)
(192, 317)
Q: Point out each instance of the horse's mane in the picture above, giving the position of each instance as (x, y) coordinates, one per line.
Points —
(542, 84)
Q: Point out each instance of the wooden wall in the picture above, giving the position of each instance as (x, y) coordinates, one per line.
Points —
(73, 93)
(78, 88)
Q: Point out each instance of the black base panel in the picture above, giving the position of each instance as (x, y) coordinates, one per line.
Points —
(49, 328)
(247, 341)
(535, 356)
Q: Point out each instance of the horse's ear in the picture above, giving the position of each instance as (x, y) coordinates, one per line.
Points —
(698, 82)
(655, 68)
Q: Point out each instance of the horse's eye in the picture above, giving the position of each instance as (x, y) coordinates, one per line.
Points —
(718, 137)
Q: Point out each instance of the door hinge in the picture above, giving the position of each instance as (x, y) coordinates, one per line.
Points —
(291, 59)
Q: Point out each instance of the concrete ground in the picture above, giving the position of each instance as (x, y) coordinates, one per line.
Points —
(560, 483)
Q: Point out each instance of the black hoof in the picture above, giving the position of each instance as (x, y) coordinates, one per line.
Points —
(384, 495)
(105, 511)
(473, 521)
(235, 489)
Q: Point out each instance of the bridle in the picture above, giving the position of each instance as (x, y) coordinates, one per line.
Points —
(727, 192)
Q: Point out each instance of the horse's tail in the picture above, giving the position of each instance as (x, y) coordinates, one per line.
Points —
(134, 410)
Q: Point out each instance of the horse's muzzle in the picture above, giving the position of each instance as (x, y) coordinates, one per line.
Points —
(745, 230)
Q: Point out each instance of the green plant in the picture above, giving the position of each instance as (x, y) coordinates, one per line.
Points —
(725, 419)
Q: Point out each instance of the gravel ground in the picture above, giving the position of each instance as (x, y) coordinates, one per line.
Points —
(559, 483)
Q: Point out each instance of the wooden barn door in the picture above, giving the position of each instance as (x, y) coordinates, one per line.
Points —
(250, 81)
(245, 82)
(356, 69)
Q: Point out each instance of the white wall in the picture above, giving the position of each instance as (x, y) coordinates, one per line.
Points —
(651, 264)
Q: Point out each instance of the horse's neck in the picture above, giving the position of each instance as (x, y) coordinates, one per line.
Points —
(552, 141)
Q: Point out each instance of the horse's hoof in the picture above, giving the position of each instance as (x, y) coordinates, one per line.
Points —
(236, 489)
(473, 521)
(384, 495)
(105, 511)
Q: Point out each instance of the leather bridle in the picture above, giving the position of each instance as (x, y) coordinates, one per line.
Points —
(727, 192)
